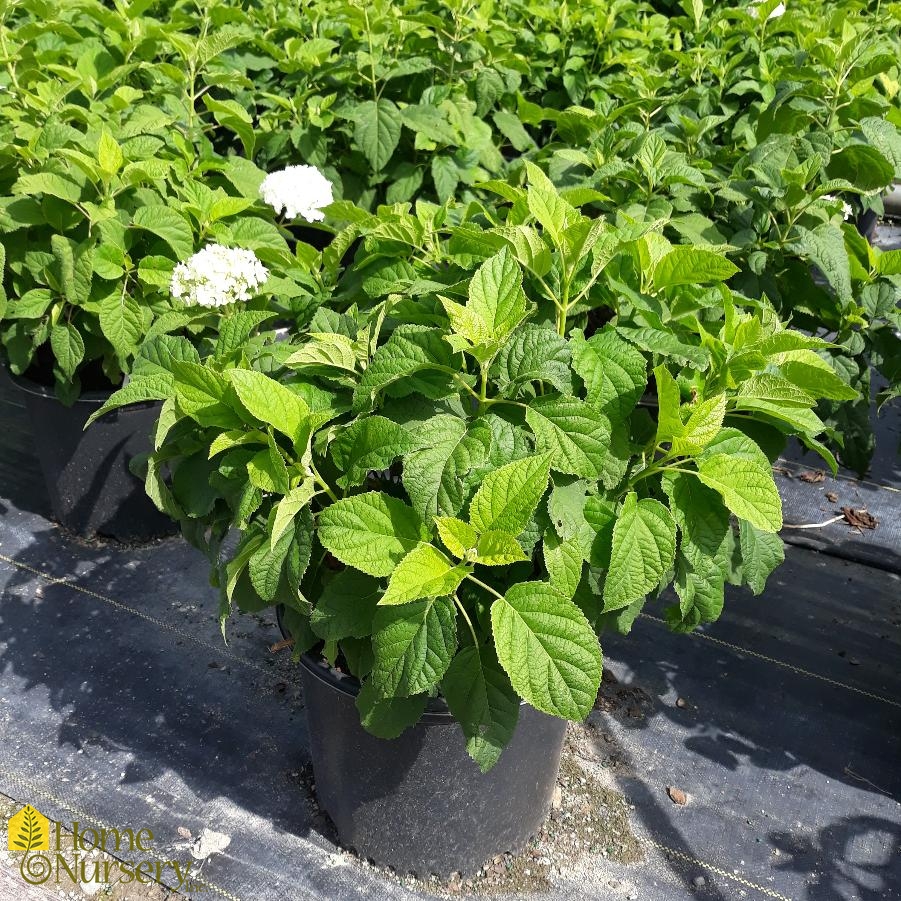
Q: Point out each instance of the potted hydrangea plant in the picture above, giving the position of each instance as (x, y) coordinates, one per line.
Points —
(451, 491)
(96, 252)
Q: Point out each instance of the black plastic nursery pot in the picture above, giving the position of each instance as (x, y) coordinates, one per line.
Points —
(92, 491)
(418, 803)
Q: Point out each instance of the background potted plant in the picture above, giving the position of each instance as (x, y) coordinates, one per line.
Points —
(97, 235)
(452, 491)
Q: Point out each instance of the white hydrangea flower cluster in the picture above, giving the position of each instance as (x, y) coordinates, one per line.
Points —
(775, 14)
(298, 191)
(217, 276)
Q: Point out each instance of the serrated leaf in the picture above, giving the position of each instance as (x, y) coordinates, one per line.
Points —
(482, 700)
(289, 506)
(563, 558)
(644, 546)
(266, 470)
(667, 344)
(122, 322)
(497, 549)
(346, 606)
(702, 426)
(735, 467)
(234, 330)
(168, 224)
(508, 496)
(688, 264)
(271, 402)
(372, 532)
(496, 305)
(265, 565)
(387, 717)
(378, 125)
(614, 372)
(812, 374)
(424, 573)
(825, 246)
(548, 649)
(534, 354)
(409, 350)
(435, 476)
(369, 443)
(458, 537)
(68, 348)
(413, 645)
(761, 553)
(575, 435)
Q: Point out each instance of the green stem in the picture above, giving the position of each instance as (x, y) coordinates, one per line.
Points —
(323, 483)
(481, 584)
(465, 616)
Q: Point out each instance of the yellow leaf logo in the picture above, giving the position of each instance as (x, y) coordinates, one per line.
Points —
(29, 830)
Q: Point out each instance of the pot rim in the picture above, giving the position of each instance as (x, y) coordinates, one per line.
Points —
(95, 398)
(436, 711)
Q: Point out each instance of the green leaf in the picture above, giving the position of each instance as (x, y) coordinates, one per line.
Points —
(508, 496)
(372, 532)
(430, 121)
(497, 549)
(346, 606)
(548, 649)
(424, 573)
(289, 506)
(109, 153)
(68, 348)
(479, 695)
(512, 129)
(702, 426)
(534, 354)
(644, 547)
(370, 443)
(234, 330)
(387, 717)
(413, 645)
(435, 476)
(735, 467)
(168, 224)
(667, 344)
(201, 394)
(497, 304)
(410, 349)
(576, 436)
(138, 390)
(378, 125)
(825, 246)
(614, 372)
(122, 323)
(761, 553)
(563, 558)
(267, 471)
(814, 375)
(688, 264)
(265, 566)
(864, 166)
(446, 176)
(272, 403)
(459, 537)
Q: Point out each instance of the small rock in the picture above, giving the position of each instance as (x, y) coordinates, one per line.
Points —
(557, 797)
(676, 795)
(184, 833)
(699, 882)
(681, 703)
(832, 497)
